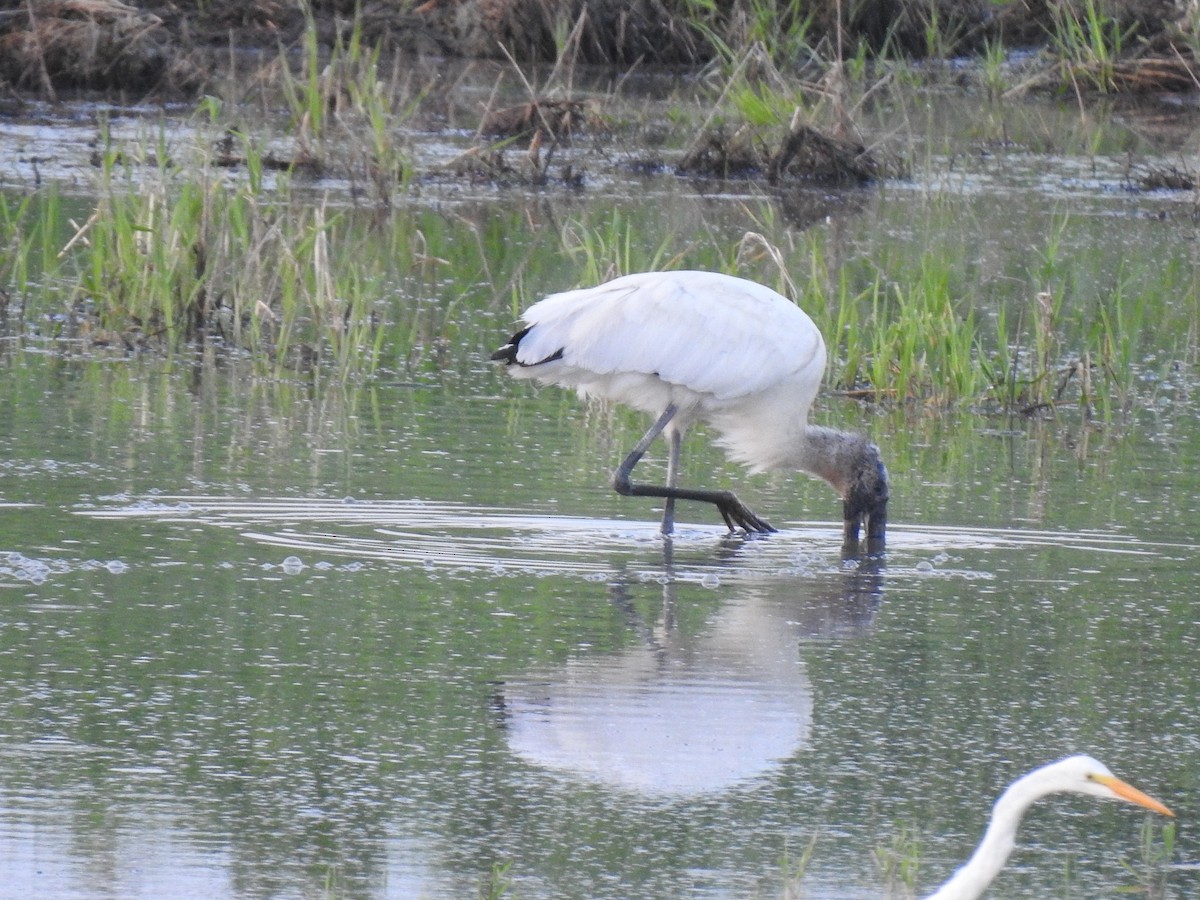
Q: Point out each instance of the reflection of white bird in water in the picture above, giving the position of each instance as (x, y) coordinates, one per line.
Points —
(1078, 774)
(689, 346)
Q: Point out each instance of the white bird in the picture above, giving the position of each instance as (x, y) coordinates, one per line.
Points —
(1078, 774)
(688, 346)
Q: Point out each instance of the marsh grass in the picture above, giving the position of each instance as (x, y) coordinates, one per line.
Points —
(26, 246)
(613, 248)
(340, 111)
(1150, 869)
(178, 249)
(223, 234)
(899, 861)
(918, 335)
(896, 338)
(1089, 42)
(498, 883)
(793, 868)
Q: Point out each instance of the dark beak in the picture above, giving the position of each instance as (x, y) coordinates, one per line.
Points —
(865, 506)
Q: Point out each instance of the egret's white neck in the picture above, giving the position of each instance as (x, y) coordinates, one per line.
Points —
(974, 876)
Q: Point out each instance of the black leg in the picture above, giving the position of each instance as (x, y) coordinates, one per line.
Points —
(675, 438)
(735, 513)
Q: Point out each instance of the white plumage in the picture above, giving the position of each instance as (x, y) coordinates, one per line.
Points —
(690, 346)
(1077, 774)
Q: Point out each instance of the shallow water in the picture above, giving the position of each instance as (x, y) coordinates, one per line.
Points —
(321, 666)
(284, 639)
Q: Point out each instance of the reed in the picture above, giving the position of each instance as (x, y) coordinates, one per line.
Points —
(21, 263)
(899, 861)
(792, 869)
(992, 64)
(345, 112)
(1089, 42)
(1156, 855)
(498, 883)
(613, 248)
(179, 248)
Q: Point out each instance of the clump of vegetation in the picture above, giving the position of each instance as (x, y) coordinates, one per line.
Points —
(96, 44)
(899, 861)
(56, 45)
(764, 124)
(345, 113)
(792, 869)
(1156, 852)
(1161, 177)
(802, 154)
(179, 250)
(176, 260)
(543, 119)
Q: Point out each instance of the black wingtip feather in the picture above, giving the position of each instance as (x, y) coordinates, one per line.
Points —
(508, 353)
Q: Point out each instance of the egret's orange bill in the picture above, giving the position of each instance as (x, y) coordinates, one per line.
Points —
(1132, 794)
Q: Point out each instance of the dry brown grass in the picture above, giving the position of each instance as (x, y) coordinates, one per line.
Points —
(100, 44)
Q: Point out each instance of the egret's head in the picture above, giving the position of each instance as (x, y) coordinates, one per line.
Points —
(1085, 775)
(1103, 783)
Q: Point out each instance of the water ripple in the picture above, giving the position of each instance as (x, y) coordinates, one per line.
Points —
(499, 541)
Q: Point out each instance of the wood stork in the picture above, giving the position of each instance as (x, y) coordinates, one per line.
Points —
(1077, 774)
(688, 346)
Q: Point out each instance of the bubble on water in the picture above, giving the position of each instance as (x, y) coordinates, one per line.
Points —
(293, 565)
(924, 566)
(116, 566)
(710, 581)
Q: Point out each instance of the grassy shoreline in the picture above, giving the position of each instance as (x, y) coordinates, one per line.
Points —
(281, 225)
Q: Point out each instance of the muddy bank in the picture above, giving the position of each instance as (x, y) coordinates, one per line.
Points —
(50, 46)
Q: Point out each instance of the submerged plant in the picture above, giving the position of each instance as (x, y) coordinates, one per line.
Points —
(27, 248)
(498, 883)
(793, 869)
(899, 860)
(1157, 849)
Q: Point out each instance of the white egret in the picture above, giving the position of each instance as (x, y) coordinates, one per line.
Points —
(1077, 774)
(689, 346)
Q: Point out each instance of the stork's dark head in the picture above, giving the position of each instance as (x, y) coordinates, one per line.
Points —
(866, 500)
